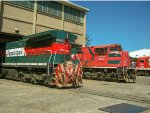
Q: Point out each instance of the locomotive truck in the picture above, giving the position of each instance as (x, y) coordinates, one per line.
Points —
(142, 66)
(41, 58)
(107, 62)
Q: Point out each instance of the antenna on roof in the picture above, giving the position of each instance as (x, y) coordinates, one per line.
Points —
(66, 40)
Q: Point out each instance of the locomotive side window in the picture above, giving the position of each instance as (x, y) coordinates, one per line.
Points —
(141, 61)
(101, 51)
(41, 43)
(116, 48)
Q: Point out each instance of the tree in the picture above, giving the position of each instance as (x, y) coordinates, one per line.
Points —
(88, 40)
(133, 59)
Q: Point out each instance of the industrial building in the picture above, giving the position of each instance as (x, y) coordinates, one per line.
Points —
(140, 53)
(22, 18)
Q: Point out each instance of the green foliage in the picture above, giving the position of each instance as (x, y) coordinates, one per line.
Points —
(133, 59)
(88, 40)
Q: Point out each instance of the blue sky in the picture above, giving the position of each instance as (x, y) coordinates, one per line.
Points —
(126, 23)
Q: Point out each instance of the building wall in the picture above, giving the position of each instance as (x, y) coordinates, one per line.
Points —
(27, 18)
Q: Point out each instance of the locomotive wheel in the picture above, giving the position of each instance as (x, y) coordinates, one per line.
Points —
(101, 76)
(48, 82)
(86, 74)
(75, 83)
(107, 77)
(23, 78)
(78, 82)
(58, 85)
(113, 76)
(3, 73)
(134, 78)
(45, 82)
(33, 80)
(126, 80)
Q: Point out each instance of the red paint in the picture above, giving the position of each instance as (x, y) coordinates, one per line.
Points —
(94, 56)
(143, 62)
(60, 48)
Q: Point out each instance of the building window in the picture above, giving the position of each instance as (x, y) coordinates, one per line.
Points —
(50, 7)
(73, 14)
(26, 4)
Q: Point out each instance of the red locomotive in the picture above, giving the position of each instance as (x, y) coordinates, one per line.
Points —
(143, 62)
(107, 62)
(143, 65)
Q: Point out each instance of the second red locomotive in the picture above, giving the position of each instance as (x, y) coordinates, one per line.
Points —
(107, 62)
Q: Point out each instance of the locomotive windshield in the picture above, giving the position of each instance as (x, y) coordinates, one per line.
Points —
(115, 48)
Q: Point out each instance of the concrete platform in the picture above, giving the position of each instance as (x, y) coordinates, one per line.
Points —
(18, 97)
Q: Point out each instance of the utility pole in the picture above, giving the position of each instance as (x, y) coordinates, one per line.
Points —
(34, 17)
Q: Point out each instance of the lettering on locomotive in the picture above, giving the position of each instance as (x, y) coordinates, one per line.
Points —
(15, 52)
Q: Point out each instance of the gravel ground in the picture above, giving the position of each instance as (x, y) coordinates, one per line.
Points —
(19, 97)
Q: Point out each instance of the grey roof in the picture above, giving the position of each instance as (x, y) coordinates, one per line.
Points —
(68, 3)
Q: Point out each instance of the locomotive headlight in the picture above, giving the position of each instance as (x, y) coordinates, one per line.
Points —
(16, 30)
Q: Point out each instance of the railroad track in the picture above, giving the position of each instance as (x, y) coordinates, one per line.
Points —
(115, 95)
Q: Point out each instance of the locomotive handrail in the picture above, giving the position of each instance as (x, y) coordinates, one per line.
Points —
(64, 50)
(49, 60)
(50, 55)
(123, 60)
(126, 58)
(54, 58)
(55, 54)
(78, 58)
(119, 64)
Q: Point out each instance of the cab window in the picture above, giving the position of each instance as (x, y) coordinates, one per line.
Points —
(101, 51)
(116, 48)
(141, 61)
